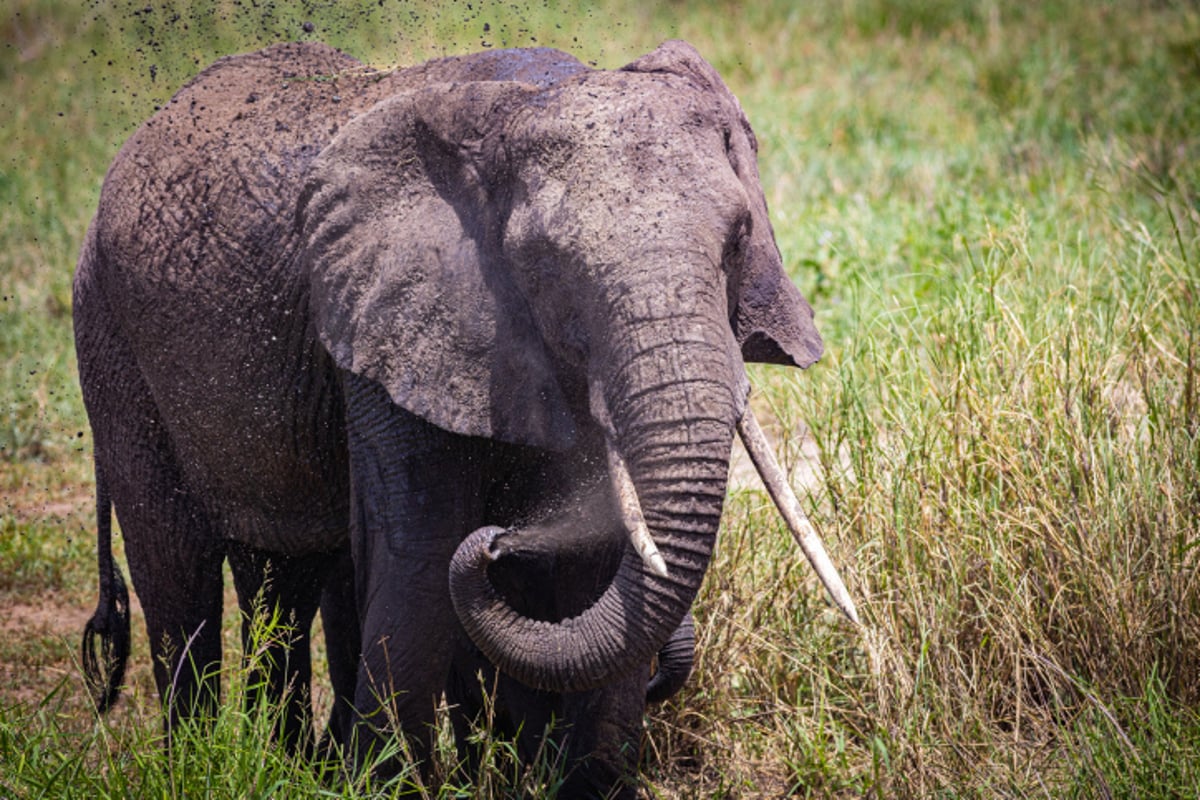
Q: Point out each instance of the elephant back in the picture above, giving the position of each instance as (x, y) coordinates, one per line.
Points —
(193, 264)
(216, 170)
(195, 260)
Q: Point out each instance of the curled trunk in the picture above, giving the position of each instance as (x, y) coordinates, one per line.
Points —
(673, 428)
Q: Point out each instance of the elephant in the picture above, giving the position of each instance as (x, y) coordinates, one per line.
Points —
(454, 354)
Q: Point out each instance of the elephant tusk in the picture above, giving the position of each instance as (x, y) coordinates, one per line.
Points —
(626, 493)
(631, 513)
(785, 500)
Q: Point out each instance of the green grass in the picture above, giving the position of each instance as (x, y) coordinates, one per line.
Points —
(994, 208)
(51, 749)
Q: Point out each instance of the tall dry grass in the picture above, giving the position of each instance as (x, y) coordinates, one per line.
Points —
(994, 209)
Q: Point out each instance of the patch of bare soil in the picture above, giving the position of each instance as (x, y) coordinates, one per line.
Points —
(47, 614)
(39, 640)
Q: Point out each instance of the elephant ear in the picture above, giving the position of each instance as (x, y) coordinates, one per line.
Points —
(773, 322)
(407, 287)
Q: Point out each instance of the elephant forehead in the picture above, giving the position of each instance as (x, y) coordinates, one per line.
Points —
(606, 108)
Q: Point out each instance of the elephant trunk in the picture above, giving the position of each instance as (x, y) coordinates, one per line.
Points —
(670, 414)
(675, 661)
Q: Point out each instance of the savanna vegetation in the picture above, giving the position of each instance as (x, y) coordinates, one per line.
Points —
(993, 206)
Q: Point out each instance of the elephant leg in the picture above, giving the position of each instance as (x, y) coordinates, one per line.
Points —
(601, 732)
(175, 564)
(173, 550)
(415, 493)
(476, 700)
(174, 558)
(594, 738)
(178, 581)
(280, 663)
(343, 646)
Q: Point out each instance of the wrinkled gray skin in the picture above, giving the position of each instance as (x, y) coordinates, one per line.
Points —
(330, 321)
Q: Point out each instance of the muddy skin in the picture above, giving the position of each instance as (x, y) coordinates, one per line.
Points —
(334, 324)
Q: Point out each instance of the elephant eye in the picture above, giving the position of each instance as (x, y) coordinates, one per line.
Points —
(750, 135)
(736, 244)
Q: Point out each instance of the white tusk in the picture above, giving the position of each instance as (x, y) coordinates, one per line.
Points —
(785, 499)
(631, 513)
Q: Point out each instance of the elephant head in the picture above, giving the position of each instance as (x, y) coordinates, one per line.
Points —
(536, 263)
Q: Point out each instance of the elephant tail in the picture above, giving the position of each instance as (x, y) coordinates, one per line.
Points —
(106, 636)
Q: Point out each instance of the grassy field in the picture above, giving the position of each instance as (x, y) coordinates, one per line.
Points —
(994, 208)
